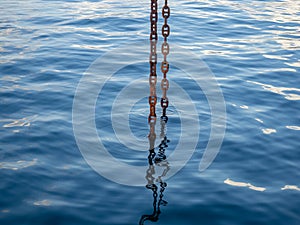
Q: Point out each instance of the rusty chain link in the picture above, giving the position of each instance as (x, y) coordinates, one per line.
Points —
(153, 63)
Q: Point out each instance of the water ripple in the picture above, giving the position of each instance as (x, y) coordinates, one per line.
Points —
(281, 90)
(21, 164)
(252, 47)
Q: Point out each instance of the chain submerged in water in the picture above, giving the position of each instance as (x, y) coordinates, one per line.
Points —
(160, 159)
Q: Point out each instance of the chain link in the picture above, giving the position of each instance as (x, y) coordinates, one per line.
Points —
(160, 159)
(153, 63)
(165, 49)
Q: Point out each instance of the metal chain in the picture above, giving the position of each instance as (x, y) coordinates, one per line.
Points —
(152, 103)
(153, 75)
(161, 156)
(164, 68)
(153, 62)
(165, 49)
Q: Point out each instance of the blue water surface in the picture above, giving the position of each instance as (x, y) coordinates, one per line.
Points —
(251, 47)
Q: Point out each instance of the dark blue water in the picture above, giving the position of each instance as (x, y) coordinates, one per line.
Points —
(251, 47)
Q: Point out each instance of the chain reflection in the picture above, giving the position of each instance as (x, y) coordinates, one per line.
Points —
(156, 185)
(159, 159)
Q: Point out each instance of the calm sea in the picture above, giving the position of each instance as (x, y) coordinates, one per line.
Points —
(251, 47)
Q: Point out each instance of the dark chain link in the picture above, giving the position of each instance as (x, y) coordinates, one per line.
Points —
(161, 155)
(163, 186)
(165, 49)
